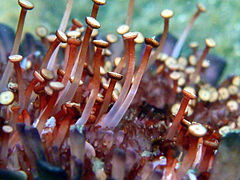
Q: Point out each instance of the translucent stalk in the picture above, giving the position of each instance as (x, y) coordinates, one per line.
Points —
(21, 97)
(49, 53)
(161, 43)
(46, 113)
(176, 122)
(28, 92)
(188, 159)
(70, 63)
(178, 47)
(8, 70)
(68, 95)
(62, 27)
(125, 87)
(95, 89)
(130, 12)
(107, 98)
(199, 65)
(133, 90)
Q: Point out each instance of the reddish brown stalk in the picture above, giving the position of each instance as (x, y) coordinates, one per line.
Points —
(56, 86)
(188, 159)
(7, 130)
(171, 164)
(46, 111)
(210, 148)
(43, 101)
(50, 51)
(182, 132)
(26, 117)
(25, 6)
(68, 95)
(95, 8)
(16, 59)
(181, 40)
(209, 44)
(131, 65)
(61, 113)
(74, 43)
(130, 12)
(196, 131)
(65, 20)
(194, 47)
(174, 76)
(60, 73)
(61, 37)
(14, 115)
(37, 77)
(175, 85)
(76, 24)
(166, 14)
(15, 137)
(176, 122)
(8, 113)
(62, 131)
(23, 132)
(133, 90)
(108, 96)
(102, 70)
(87, 61)
(70, 34)
(94, 85)
(97, 105)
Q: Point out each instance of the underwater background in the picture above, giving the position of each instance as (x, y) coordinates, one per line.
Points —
(220, 22)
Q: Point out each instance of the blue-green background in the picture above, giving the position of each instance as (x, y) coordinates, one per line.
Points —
(221, 21)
